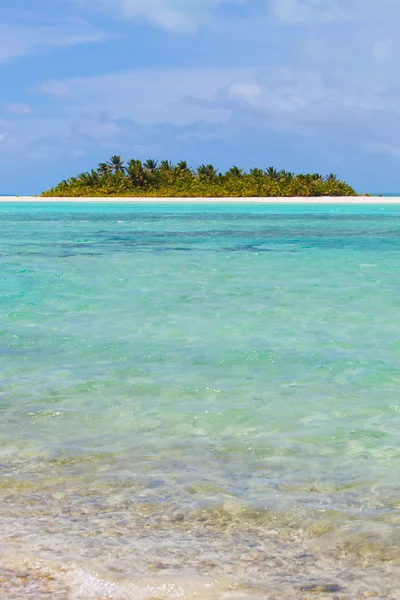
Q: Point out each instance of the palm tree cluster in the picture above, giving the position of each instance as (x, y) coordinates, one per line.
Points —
(165, 179)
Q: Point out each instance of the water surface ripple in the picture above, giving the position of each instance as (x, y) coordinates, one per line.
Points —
(199, 402)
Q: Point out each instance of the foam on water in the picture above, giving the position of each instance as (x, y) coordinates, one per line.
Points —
(199, 401)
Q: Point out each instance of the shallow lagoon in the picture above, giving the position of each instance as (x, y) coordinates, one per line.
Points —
(199, 400)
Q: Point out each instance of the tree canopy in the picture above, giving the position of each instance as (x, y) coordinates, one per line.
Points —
(165, 179)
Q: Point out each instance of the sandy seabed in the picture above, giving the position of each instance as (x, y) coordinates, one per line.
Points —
(78, 542)
(270, 200)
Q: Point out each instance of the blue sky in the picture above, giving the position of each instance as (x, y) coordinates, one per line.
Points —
(305, 85)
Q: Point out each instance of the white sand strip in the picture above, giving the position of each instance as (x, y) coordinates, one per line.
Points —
(295, 200)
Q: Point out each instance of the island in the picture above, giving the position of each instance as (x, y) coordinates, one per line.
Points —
(134, 178)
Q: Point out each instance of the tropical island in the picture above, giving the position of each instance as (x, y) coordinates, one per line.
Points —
(165, 179)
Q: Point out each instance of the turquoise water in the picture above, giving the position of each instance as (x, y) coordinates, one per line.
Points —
(199, 401)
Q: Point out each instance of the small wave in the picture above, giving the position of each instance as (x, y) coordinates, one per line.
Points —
(93, 586)
(41, 578)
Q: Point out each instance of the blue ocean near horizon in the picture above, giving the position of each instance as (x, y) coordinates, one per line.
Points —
(397, 195)
(199, 401)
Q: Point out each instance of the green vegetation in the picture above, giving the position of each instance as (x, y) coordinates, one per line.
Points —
(164, 179)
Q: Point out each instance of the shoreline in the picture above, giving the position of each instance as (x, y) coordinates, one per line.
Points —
(361, 200)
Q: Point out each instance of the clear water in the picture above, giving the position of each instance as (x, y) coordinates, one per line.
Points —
(199, 401)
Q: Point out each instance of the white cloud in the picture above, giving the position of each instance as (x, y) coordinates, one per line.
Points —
(291, 12)
(22, 40)
(382, 148)
(304, 11)
(381, 51)
(150, 96)
(249, 92)
(174, 15)
(283, 98)
(17, 108)
(55, 88)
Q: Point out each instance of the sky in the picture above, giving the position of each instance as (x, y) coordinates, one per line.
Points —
(303, 85)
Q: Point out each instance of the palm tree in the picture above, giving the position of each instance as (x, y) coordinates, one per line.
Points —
(151, 165)
(235, 172)
(88, 179)
(206, 172)
(103, 168)
(116, 164)
(331, 178)
(182, 168)
(286, 175)
(94, 175)
(256, 172)
(166, 166)
(272, 173)
(316, 177)
(136, 172)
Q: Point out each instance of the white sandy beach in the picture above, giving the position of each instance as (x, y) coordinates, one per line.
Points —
(294, 200)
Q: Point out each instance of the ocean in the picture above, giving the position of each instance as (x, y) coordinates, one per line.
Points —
(199, 401)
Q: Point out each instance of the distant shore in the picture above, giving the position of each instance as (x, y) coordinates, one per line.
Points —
(264, 200)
